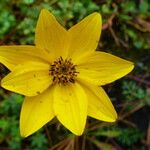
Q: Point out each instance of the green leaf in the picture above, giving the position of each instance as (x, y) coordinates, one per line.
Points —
(144, 6)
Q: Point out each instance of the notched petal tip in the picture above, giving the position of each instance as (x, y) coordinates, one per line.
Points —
(44, 10)
(79, 133)
(132, 65)
(129, 66)
(23, 135)
(23, 131)
(46, 13)
(3, 83)
(96, 14)
(114, 118)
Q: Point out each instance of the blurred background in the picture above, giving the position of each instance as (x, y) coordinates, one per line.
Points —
(125, 33)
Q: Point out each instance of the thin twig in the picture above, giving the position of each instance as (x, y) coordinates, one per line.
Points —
(138, 79)
(60, 144)
(117, 147)
(48, 136)
(69, 145)
(138, 107)
(100, 125)
(116, 39)
(128, 122)
(83, 142)
(109, 22)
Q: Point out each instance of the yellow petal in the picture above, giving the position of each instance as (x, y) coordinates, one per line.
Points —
(51, 36)
(101, 68)
(85, 36)
(11, 56)
(30, 78)
(70, 106)
(99, 104)
(36, 112)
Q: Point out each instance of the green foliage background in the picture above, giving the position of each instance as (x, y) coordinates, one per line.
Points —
(126, 33)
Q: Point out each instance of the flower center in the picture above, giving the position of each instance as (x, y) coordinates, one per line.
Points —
(63, 71)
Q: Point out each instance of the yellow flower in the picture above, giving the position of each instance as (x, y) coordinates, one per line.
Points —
(61, 75)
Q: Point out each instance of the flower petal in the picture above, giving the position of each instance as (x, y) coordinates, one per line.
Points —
(85, 36)
(99, 104)
(101, 68)
(36, 112)
(11, 56)
(51, 36)
(30, 78)
(70, 106)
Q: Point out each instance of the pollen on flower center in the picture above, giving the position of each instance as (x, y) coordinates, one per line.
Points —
(63, 71)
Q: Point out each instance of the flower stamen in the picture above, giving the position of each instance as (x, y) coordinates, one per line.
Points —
(63, 71)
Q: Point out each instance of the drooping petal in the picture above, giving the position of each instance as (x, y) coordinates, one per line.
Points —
(11, 56)
(99, 104)
(29, 79)
(51, 36)
(101, 68)
(70, 106)
(84, 36)
(36, 112)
